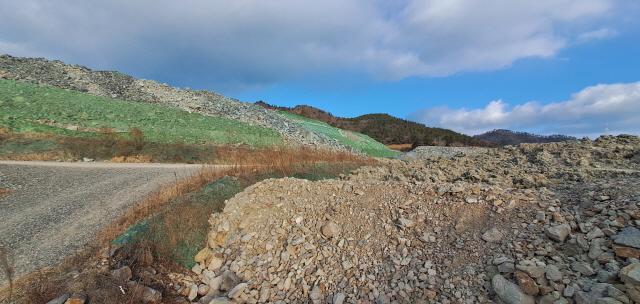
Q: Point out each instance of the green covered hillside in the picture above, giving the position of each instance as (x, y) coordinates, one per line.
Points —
(40, 109)
(357, 141)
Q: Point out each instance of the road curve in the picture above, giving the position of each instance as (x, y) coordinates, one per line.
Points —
(58, 207)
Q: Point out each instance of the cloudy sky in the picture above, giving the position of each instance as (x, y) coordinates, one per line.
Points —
(547, 66)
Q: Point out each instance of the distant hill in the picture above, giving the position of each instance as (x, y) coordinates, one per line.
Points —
(389, 130)
(508, 137)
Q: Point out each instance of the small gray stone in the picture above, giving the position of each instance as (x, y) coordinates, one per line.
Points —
(229, 280)
(330, 229)
(150, 295)
(629, 236)
(568, 291)
(405, 223)
(559, 232)
(553, 273)
(630, 274)
(595, 233)
(220, 300)
(509, 292)
(237, 291)
(338, 298)
(617, 294)
(506, 267)
(316, 295)
(583, 268)
(492, 235)
(123, 273)
(193, 292)
(383, 299)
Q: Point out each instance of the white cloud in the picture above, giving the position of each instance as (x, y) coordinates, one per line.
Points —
(595, 110)
(255, 41)
(599, 34)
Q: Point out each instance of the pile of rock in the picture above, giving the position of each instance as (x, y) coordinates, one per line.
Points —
(550, 223)
(430, 152)
(117, 85)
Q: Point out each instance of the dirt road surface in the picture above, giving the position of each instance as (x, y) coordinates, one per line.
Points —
(56, 208)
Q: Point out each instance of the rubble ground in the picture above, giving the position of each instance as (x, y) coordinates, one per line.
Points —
(534, 223)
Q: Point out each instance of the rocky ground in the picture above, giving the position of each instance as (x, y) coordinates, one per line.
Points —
(116, 85)
(422, 153)
(537, 223)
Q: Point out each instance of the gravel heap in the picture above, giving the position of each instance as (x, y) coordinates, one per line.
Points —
(117, 85)
(428, 152)
(536, 223)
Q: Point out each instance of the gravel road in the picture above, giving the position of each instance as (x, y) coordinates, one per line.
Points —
(56, 208)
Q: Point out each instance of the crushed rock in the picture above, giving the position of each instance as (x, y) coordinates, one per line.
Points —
(409, 234)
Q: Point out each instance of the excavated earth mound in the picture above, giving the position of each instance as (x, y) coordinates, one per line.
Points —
(535, 223)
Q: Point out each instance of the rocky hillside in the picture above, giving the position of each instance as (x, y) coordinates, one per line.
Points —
(535, 223)
(385, 128)
(120, 86)
(507, 137)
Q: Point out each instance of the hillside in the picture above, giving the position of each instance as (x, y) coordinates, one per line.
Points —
(32, 108)
(507, 137)
(115, 85)
(359, 142)
(385, 128)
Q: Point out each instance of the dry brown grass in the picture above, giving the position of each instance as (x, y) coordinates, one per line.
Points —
(133, 148)
(5, 191)
(40, 156)
(400, 147)
(6, 269)
(132, 159)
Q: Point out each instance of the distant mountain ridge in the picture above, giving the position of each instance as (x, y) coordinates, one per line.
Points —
(507, 137)
(385, 128)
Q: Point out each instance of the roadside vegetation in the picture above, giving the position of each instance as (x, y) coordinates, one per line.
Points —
(134, 147)
(167, 228)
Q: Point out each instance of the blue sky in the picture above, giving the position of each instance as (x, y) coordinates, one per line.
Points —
(611, 60)
(547, 66)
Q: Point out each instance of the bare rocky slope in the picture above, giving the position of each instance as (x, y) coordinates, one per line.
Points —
(535, 223)
(117, 85)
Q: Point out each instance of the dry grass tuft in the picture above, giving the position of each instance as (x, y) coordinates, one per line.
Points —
(400, 147)
(132, 159)
(7, 270)
(5, 191)
(39, 156)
